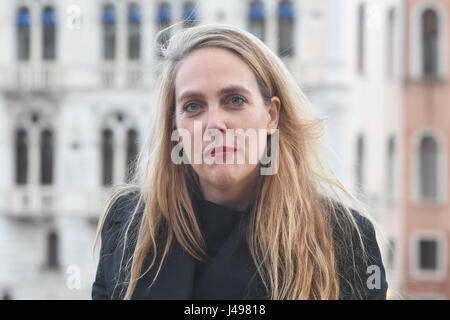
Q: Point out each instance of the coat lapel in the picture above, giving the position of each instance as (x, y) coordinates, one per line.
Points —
(175, 280)
(232, 270)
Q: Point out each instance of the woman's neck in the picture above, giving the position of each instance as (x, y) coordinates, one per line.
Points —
(236, 197)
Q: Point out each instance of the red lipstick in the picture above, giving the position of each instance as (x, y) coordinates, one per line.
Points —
(223, 151)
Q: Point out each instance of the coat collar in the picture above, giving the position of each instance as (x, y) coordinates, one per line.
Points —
(231, 269)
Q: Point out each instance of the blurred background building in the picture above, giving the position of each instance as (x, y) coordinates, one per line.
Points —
(427, 134)
(77, 85)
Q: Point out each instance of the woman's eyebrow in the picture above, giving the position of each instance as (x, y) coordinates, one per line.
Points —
(234, 88)
(189, 94)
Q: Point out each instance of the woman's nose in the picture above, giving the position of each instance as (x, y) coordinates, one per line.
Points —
(216, 119)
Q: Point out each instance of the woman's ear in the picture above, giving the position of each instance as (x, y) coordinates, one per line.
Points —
(274, 115)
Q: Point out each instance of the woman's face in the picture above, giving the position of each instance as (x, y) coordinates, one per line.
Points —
(217, 93)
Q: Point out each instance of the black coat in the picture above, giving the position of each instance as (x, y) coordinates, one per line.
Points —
(229, 275)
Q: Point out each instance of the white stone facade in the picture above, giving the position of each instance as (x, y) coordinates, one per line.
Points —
(79, 94)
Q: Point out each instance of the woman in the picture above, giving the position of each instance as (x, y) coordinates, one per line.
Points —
(204, 221)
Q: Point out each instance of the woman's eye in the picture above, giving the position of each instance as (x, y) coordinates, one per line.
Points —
(237, 100)
(191, 107)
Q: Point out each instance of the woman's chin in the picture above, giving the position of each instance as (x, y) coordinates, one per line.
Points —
(222, 176)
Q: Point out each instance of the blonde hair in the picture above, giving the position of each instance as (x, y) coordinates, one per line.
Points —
(291, 223)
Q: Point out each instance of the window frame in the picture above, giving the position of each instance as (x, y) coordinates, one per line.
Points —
(54, 36)
(134, 32)
(105, 26)
(361, 34)
(282, 52)
(392, 169)
(441, 255)
(19, 30)
(416, 42)
(392, 24)
(260, 20)
(416, 195)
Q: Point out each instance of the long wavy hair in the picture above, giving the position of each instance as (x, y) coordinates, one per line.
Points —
(290, 232)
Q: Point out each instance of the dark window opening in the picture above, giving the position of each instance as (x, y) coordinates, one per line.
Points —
(390, 174)
(134, 32)
(361, 37)
(23, 34)
(360, 158)
(49, 34)
(109, 32)
(21, 144)
(52, 250)
(428, 167)
(257, 19)
(428, 254)
(285, 29)
(390, 54)
(46, 157)
(107, 157)
(429, 44)
(132, 151)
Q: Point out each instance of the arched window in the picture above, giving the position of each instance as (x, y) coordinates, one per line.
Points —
(21, 145)
(391, 172)
(360, 159)
(428, 165)
(257, 19)
(52, 250)
(109, 32)
(134, 37)
(285, 28)
(132, 151)
(189, 15)
(46, 157)
(48, 34)
(163, 21)
(23, 34)
(429, 44)
(107, 157)
(361, 37)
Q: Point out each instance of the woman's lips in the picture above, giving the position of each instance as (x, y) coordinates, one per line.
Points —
(220, 151)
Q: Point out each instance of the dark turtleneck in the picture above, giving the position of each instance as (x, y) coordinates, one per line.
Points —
(230, 273)
(216, 223)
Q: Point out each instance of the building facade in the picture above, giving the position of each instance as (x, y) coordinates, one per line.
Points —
(426, 133)
(76, 89)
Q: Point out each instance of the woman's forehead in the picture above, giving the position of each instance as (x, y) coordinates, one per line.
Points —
(213, 68)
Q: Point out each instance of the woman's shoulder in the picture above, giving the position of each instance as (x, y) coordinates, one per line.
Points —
(341, 219)
(347, 234)
(123, 207)
(355, 266)
(120, 214)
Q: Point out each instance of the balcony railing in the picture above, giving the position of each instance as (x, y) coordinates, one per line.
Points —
(49, 77)
(30, 78)
(108, 75)
(112, 75)
(134, 75)
(32, 201)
